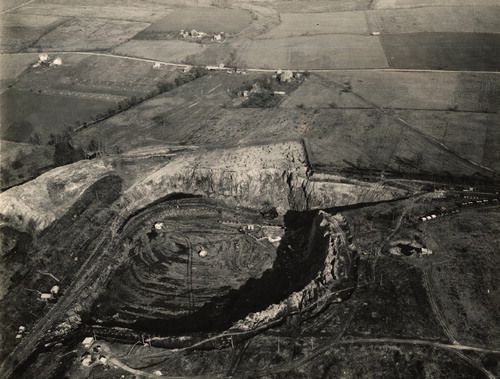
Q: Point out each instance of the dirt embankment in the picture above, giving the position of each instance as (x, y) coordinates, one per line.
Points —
(335, 279)
(35, 205)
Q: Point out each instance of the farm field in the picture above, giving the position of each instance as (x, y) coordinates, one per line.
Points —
(473, 135)
(119, 11)
(170, 117)
(48, 113)
(475, 92)
(316, 52)
(320, 6)
(167, 51)
(91, 73)
(394, 4)
(19, 32)
(208, 20)
(443, 51)
(299, 24)
(89, 34)
(478, 19)
(366, 139)
(8, 4)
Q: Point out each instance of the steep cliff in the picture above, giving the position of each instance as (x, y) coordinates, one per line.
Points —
(333, 282)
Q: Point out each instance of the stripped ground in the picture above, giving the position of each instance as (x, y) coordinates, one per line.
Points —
(166, 276)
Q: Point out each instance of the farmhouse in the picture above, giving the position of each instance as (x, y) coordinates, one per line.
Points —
(157, 65)
(43, 57)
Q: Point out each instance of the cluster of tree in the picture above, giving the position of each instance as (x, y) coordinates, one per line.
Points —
(65, 150)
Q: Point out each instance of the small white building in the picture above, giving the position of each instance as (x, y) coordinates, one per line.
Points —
(54, 290)
(46, 296)
(217, 37)
(22, 329)
(282, 93)
(43, 57)
(87, 342)
(158, 373)
(157, 65)
(375, 33)
(56, 62)
(202, 253)
(86, 360)
(159, 226)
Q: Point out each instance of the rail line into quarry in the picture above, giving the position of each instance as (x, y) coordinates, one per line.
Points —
(255, 69)
(457, 349)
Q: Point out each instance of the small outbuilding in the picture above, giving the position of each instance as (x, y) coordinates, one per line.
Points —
(157, 65)
(54, 290)
(87, 342)
(202, 253)
(56, 62)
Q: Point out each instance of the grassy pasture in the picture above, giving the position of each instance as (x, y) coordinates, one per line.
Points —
(16, 38)
(299, 24)
(89, 34)
(47, 113)
(208, 20)
(436, 19)
(168, 51)
(316, 52)
(474, 92)
(106, 11)
(443, 51)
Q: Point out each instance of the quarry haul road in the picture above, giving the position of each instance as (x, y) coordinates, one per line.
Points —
(89, 269)
(109, 55)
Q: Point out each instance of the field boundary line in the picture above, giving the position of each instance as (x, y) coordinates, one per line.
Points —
(17, 7)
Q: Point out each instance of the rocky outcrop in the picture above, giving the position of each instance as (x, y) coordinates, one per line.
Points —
(334, 281)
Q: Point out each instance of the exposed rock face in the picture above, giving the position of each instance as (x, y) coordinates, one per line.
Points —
(334, 280)
(249, 176)
(276, 174)
(36, 204)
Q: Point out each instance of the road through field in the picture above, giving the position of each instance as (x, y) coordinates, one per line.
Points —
(110, 55)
